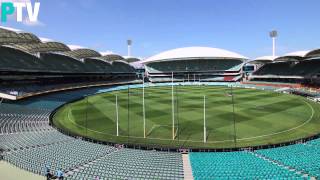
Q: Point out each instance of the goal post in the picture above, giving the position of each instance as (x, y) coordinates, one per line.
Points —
(172, 101)
(204, 120)
(143, 110)
(117, 115)
(233, 117)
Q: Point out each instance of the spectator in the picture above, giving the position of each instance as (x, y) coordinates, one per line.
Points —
(47, 172)
(59, 174)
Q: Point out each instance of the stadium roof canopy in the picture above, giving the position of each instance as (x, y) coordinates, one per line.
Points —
(82, 53)
(293, 56)
(41, 47)
(112, 57)
(11, 37)
(194, 53)
(263, 60)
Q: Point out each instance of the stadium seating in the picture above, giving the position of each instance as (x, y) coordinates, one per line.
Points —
(279, 68)
(27, 140)
(62, 63)
(206, 70)
(64, 155)
(14, 60)
(96, 65)
(121, 67)
(194, 66)
(134, 164)
(302, 68)
(236, 165)
(303, 157)
(15, 119)
(307, 68)
(37, 147)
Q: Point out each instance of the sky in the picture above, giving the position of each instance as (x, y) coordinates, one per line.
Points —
(154, 26)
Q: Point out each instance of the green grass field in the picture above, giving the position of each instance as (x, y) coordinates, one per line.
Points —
(261, 117)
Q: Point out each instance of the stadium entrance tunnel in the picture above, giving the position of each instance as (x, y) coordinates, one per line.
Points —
(194, 116)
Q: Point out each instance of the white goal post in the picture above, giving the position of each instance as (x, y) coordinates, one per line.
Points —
(204, 120)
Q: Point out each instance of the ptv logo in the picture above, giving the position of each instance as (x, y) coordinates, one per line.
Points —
(8, 8)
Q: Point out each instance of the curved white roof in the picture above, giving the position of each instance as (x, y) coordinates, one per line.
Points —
(194, 52)
(297, 53)
(314, 52)
(270, 58)
(262, 60)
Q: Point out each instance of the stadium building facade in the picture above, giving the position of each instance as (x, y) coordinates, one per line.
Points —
(195, 64)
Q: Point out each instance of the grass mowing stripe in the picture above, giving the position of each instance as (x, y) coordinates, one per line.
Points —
(262, 117)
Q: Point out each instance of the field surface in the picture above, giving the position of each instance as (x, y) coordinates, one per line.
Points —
(234, 117)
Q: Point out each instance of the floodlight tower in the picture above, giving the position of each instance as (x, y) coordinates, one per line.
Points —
(273, 34)
(129, 43)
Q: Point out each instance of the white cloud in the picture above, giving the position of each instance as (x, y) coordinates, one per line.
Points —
(27, 22)
(74, 47)
(43, 39)
(104, 53)
(10, 29)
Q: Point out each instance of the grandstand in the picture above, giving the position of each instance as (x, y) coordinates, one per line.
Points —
(195, 64)
(259, 62)
(29, 65)
(296, 67)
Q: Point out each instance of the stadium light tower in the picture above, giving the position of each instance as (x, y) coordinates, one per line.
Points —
(273, 34)
(129, 43)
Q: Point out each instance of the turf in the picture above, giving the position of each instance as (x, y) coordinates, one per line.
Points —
(259, 118)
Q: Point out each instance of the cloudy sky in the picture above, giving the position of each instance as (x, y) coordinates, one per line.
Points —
(157, 25)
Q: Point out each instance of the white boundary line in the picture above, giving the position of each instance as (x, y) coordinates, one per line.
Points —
(210, 142)
(153, 127)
